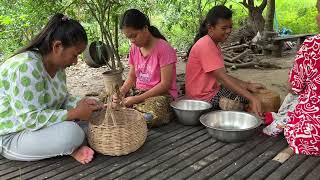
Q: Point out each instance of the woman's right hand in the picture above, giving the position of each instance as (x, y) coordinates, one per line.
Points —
(255, 106)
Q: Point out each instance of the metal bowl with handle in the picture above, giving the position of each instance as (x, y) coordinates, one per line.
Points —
(188, 111)
(230, 126)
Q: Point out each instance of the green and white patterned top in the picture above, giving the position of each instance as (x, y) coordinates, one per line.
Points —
(29, 98)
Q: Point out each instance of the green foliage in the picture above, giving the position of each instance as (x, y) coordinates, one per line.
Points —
(20, 20)
(299, 16)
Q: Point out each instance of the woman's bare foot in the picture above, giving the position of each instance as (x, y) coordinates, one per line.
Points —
(83, 154)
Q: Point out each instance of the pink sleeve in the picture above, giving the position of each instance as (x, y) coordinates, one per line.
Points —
(167, 55)
(210, 58)
(131, 55)
(297, 76)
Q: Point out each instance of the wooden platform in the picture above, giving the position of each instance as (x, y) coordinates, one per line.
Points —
(177, 152)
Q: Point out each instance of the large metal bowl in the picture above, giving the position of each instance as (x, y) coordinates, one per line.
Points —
(188, 111)
(230, 126)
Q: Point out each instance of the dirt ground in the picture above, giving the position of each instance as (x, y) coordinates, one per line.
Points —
(82, 79)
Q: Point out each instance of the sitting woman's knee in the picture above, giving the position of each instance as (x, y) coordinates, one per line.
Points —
(73, 134)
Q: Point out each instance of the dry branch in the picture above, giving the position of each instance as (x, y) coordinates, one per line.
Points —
(235, 47)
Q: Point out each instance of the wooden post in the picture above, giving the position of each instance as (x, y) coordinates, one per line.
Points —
(277, 48)
(267, 40)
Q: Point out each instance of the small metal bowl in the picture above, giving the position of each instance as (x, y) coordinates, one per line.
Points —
(188, 111)
(230, 126)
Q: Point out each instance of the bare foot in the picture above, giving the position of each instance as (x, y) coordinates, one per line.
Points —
(83, 154)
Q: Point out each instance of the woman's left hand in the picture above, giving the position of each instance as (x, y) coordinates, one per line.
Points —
(255, 87)
(131, 100)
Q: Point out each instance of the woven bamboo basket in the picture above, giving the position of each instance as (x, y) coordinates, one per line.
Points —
(230, 104)
(120, 135)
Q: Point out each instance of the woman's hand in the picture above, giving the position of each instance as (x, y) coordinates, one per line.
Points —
(93, 103)
(255, 87)
(129, 101)
(83, 111)
(116, 99)
(255, 106)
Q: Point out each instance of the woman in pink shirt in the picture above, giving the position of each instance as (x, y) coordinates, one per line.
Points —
(205, 68)
(152, 60)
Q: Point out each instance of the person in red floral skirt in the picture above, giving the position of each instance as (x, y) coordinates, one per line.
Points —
(303, 129)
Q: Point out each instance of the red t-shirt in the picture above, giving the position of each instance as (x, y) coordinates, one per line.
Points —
(205, 57)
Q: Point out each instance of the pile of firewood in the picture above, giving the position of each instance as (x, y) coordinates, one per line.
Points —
(244, 56)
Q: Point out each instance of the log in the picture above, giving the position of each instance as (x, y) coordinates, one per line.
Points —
(241, 55)
(227, 55)
(235, 47)
(251, 64)
(243, 65)
(228, 59)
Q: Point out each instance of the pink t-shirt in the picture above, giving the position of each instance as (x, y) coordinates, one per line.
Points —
(205, 57)
(148, 69)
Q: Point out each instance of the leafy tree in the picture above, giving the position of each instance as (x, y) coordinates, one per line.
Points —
(20, 20)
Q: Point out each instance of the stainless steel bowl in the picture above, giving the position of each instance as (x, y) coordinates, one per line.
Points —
(189, 111)
(230, 126)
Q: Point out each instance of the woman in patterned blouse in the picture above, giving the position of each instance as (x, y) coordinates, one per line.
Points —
(303, 129)
(36, 111)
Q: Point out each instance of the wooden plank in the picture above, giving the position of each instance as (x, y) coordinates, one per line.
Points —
(307, 166)
(194, 168)
(225, 161)
(68, 163)
(168, 170)
(55, 171)
(172, 143)
(254, 165)
(8, 166)
(287, 167)
(3, 161)
(314, 174)
(247, 158)
(156, 132)
(148, 148)
(73, 169)
(30, 168)
(142, 161)
(265, 170)
(146, 164)
(159, 167)
(14, 166)
(62, 163)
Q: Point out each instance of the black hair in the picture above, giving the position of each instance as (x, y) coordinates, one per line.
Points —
(61, 28)
(214, 14)
(136, 19)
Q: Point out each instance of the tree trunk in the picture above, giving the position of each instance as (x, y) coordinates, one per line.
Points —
(270, 15)
(256, 20)
(199, 11)
(116, 33)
